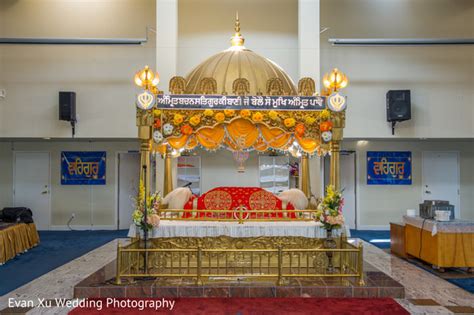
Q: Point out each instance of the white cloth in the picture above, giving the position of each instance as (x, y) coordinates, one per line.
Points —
(170, 228)
(433, 226)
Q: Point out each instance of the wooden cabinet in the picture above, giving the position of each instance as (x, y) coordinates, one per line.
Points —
(397, 239)
(441, 249)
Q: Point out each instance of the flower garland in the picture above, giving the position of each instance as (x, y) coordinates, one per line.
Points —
(175, 119)
(304, 124)
(329, 210)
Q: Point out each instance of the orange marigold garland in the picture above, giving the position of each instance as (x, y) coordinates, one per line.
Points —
(186, 130)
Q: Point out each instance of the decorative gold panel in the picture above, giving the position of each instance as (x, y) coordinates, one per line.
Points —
(306, 87)
(275, 86)
(177, 85)
(241, 87)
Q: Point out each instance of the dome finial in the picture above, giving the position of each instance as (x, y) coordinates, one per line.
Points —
(237, 22)
(237, 39)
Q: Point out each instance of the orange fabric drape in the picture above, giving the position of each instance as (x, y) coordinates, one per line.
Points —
(308, 144)
(210, 137)
(178, 142)
(275, 137)
(242, 132)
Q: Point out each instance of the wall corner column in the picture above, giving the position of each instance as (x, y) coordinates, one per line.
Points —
(166, 40)
(308, 40)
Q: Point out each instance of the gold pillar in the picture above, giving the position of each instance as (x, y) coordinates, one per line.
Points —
(334, 178)
(338, 120)
(144, 122)
(305, 179)
(168, 176)
(145, 158)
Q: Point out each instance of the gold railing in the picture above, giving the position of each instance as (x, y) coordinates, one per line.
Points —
(208, 264)
(240, 215)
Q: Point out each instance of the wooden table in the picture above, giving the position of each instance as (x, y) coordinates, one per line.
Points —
(442, 244)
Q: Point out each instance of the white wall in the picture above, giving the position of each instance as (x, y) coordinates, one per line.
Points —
(270, 28)
(220, 169)
(378, 205)
(102, 76)
(93, 205)
(441, 78)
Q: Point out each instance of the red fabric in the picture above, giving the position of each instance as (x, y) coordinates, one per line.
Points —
(232, 198)
(245, 306)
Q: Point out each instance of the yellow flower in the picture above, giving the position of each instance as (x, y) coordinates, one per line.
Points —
(220, 117)
(229, 112)
(309, 120)
(273, 115)
(257, 117)
(156, 112)
(178, 119)
(289, 122)
(245, 113)
(195, 120)
(325, 114)
(208, 112)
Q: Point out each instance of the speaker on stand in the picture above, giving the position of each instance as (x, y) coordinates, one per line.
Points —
(67, 109)
(398, 106)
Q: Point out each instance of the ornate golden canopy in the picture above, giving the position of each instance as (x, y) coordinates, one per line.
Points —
(239, 71)
(242, 101)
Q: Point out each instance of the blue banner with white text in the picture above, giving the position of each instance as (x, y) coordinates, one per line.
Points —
(260, 102)
(388, 168)
(83, 167)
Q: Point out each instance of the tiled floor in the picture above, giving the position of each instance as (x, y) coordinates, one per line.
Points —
(420, 286)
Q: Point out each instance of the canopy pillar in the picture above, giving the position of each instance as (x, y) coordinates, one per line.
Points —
(168, 176)
(334, 166)
(338, 120)
(144, 121)
(145, 163)
(305, 178)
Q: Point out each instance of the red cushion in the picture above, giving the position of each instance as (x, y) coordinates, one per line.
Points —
(234, 198)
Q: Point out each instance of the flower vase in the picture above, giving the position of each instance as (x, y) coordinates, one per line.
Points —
(141, 238)
(329, 243)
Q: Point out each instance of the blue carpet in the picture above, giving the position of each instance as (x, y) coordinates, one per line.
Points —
(466, 283)
(381, 239)
(55, 249)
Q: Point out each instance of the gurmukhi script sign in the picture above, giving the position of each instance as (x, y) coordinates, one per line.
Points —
(178, 101)
(388, 168)
(83, 167)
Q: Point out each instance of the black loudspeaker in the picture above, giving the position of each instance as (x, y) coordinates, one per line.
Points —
(398, 105)
(67, 106)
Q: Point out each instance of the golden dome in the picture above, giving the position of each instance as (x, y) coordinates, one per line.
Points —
(257, 75)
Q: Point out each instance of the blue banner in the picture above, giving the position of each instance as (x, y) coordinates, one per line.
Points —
(388, 168)
(260, 102)
(83, 168)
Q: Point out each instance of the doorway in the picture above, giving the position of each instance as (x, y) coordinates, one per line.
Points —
(440, 178)
(32, 185)
(348, 172)
(128, 165)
